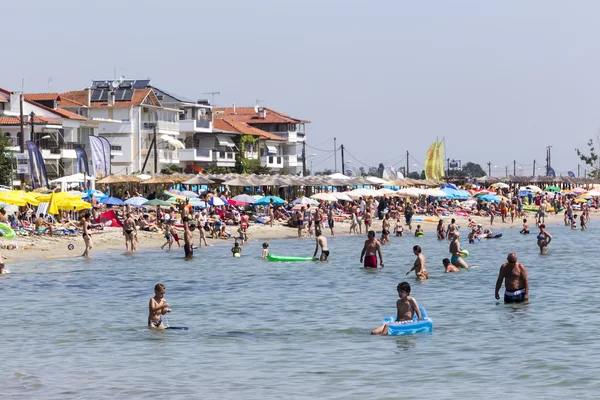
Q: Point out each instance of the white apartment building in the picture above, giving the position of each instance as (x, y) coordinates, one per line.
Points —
(56, 131)
(131, 116)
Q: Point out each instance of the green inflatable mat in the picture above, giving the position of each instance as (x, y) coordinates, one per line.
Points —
(272, 257)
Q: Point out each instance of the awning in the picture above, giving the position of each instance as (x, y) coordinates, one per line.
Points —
(271, 149)
(225, 141)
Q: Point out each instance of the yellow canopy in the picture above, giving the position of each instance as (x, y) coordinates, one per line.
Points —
(19, 198)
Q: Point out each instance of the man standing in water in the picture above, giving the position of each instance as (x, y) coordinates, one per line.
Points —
(370, 250)
(419, 265)
(515, 279)
(187, 231)
(128, 231)
(321, 242)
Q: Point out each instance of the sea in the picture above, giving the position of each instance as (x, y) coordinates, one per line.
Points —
(76, 329)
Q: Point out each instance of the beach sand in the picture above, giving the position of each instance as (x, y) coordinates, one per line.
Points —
(40, 247)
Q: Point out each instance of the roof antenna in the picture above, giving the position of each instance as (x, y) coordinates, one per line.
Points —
(49, 82)
(213, 96)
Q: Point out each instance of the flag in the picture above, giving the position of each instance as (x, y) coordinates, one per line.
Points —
(430, 162)
(350, 172)
(106, 147)
(571, 174)
(389, 173)
(551, 172)
(37, 169)
(100, 149)
(82, 166)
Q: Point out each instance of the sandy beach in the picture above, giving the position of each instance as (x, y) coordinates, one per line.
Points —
(39, 247)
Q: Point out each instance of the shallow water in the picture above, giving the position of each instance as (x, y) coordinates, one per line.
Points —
(76, 328)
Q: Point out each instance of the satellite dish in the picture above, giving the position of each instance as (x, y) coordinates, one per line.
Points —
(115, 84)
(121, 78)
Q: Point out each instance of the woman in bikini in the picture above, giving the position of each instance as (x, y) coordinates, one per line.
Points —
(87, 236)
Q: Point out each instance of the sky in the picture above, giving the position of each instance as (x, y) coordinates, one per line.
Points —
(500, 81)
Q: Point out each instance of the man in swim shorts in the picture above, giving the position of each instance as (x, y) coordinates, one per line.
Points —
(515, 279)
(370, 250)
(321, 242)
(419, 265)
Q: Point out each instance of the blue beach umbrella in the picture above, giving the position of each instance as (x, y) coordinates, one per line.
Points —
(112, 201)
(490, 198)
(97, 194)
(136, 201)
(217, 201)
(266, 200)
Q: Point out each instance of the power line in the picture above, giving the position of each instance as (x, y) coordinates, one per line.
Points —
(356, 159)
(314, 148)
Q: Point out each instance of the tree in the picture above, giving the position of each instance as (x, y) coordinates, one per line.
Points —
(7, 159)
(591, 160)
(170, 169)
(473, 170)
(373, 171)
(414, 175)
(380, 170)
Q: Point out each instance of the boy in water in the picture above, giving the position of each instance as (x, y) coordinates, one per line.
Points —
(419, 231)
(448, 266)
(157, 307)
(406, 308)
(574, 222)
(265, 251)
(236, 249)
(582, 222)
(525, 230)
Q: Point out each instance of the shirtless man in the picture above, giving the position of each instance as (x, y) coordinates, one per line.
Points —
(300, 221)
(543, 209)
(543, 239)
(385, 229)
(330, 220)
(503, 210)
(129, 231)
(370, 250)
(321, 242)
(492, 211)
(448, 266)
(515, 279)
(452, 228)
(188, 230)
(317, 219)
(419, 265)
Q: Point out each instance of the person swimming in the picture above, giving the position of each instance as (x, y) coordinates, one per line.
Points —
(525, 230)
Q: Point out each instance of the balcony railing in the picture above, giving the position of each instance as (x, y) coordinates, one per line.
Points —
(223, 155)
(51, 144)
(203, 123)
(161, 125)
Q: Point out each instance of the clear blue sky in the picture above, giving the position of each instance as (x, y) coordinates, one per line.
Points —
(499, 80)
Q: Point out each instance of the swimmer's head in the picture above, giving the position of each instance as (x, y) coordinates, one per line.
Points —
(453, 220)
(403, 287)
(417, 249)
(265, 245)
(418, 226)
(456, 235)
(524, 220)
(371, 234)
(236, 244)
(446, 262)
(159, 288)
(512, 257)
(543, 226)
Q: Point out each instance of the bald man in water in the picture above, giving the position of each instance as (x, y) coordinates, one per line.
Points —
(515, 279)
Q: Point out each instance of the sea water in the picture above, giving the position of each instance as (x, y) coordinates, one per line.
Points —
(75, 328)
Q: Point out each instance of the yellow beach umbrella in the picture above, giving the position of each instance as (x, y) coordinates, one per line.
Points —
(73, 205)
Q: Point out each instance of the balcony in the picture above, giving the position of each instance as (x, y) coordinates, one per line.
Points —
(195, 125)
(291, 160)
(123, 128)
(251, 155)
(272, 161)
(53, 150)
(224, 158)
(195, 155)
(168, 127)
(168, 156)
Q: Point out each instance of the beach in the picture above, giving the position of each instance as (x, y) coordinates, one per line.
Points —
(44, 246)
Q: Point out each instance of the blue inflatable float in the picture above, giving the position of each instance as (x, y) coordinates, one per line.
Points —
(409, 327)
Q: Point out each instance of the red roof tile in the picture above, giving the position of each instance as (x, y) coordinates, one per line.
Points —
(37, 120)
(80, 97)
(248, 114)
(3, 98)
(41, 96)
(230, 125)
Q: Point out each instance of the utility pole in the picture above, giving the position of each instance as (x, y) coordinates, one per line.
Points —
(578, 166)
(335, 154)
(155, 151)
(407, 169)
(489, 169)
(506, 170)
(22, 138)
(533, 167)
(548, 160)
(514, 167)
(343, 165)
(304, 159)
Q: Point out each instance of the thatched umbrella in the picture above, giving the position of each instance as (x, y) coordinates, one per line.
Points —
(198, 180)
